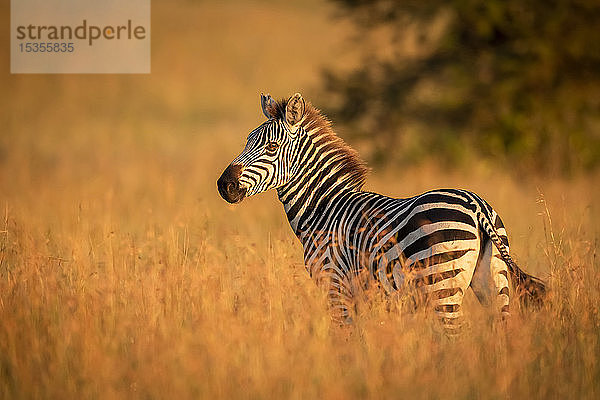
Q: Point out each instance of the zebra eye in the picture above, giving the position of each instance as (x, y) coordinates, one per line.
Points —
(272, 146)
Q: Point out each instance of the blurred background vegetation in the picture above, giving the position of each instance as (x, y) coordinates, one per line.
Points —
(510, 81)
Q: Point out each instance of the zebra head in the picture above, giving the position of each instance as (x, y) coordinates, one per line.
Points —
(270, 158)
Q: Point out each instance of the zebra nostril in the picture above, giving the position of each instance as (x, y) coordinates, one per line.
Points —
(231, 187)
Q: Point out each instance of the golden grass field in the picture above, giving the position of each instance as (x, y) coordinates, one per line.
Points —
(124, 275)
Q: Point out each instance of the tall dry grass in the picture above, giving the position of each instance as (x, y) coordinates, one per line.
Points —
(124, 275)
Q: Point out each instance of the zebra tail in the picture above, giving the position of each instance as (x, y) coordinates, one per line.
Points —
(530, 290)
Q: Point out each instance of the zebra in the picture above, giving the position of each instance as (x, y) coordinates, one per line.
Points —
(436, 244)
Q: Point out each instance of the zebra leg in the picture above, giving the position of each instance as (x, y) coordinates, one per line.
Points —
(447, 305)
(490, 280)
(332, 279)
(482, 277)
(340, 299)
(499, 271)
(446, 288)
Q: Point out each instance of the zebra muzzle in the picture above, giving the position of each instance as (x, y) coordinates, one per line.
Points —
(229, 184)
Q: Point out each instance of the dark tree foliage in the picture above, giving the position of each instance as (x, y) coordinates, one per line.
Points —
(514, 80)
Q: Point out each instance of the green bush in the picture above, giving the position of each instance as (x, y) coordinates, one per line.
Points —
(504, 79)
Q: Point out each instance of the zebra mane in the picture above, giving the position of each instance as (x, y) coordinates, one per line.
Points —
(350, 165)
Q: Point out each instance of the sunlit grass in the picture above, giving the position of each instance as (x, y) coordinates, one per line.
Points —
(124, 275)
(128, 276)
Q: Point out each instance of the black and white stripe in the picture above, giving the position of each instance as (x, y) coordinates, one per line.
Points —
(438, 243)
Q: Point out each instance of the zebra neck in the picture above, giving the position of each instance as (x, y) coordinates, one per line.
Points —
(308, 203)
(327, 170)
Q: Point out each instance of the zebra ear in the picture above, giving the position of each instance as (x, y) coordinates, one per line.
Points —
(267, 104)
(294, 110)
